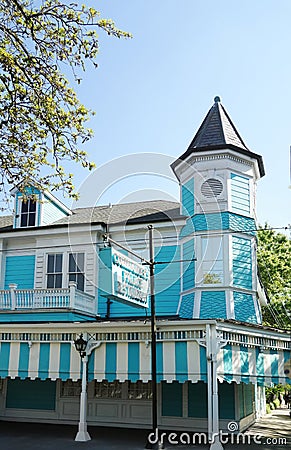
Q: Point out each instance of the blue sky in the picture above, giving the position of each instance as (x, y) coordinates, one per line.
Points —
(152, 92)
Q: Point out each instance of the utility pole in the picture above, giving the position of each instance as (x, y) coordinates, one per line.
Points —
(155, 429)
(155, 442)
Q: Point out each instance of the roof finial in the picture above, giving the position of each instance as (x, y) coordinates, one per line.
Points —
(217, 99)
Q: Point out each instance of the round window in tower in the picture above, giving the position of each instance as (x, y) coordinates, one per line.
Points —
(211, 188)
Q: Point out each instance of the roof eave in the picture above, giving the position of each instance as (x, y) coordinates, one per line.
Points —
(240, 150)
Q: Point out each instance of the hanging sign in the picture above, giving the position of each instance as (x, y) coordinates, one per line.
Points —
(127, 280)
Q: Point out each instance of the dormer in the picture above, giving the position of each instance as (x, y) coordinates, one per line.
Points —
(35, 208)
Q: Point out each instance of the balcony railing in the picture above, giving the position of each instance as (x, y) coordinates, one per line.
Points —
(58, 298)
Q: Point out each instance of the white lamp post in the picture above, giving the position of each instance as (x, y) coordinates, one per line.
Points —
(83, 434)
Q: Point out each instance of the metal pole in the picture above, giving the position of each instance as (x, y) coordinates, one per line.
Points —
(83, 434)
(155, 429)
(153, 332)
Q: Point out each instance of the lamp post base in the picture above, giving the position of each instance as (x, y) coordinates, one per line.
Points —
(216, 445)
(82, 436)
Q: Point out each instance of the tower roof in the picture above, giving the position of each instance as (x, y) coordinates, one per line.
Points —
(217, 132)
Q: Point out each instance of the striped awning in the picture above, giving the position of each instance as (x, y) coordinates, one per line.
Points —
(253, 365)
(39, 360)
(176, 361)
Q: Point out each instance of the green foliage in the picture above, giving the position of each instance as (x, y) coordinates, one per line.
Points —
(42, 122)
(268, 409)
(211, 278)
(274, 262)
(277, 403)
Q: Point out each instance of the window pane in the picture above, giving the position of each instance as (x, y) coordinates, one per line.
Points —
(24, 207)
(58, 280)
(50, 263)
(72, 277)
(59, 263)
(31, 221)
(80, 262)
(23, 221)
(32, 206)
(72, 262)
(50, 281)
(80, 281)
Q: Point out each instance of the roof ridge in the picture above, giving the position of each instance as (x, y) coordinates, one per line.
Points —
(126, 204)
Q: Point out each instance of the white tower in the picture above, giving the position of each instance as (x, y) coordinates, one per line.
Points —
(218, 175)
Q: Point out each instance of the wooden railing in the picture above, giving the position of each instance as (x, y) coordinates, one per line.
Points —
(58, 298)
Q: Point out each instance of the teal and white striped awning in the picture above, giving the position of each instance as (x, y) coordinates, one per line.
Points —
(176, 361)
(253, 365)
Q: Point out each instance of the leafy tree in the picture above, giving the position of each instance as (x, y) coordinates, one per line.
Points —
(42, 122)
(274, 262)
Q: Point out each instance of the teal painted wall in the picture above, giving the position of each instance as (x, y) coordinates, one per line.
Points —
(226, 394)
(65, 316)
(31, 394)
(213, 305)
(244, 308)
(246, 397)
(186, 306)
(188, 198)
(240, 194)
(242, 262)
(167, 280)
(218, 221)
(51, 212)
(188, 268)
(172, 399)
(20, 270)
(197, 400)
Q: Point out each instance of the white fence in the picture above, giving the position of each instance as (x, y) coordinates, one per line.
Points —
(61, 298)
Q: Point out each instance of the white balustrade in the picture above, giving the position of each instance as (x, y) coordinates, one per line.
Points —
(85, 302)
(5, 299)
(61, 298)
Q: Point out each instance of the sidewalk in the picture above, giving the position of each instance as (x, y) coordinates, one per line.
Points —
(29, 436)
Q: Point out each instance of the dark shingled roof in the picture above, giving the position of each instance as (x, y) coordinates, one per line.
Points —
(6, 222)
(125, 213)
(217, 129)
(217, 132)
(137, 212)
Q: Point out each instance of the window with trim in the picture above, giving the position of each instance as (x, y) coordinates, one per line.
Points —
(140, 390)
(76, 269)
(212, 260)
(108, 389)
(54, 270)
(71, 388)
(28, 213)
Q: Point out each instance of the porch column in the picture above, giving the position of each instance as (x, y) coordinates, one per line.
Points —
(213, 345)
(12, 288)
(72, 287)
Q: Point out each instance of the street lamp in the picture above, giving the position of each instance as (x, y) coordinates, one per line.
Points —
(83, 435)
(81, 345)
